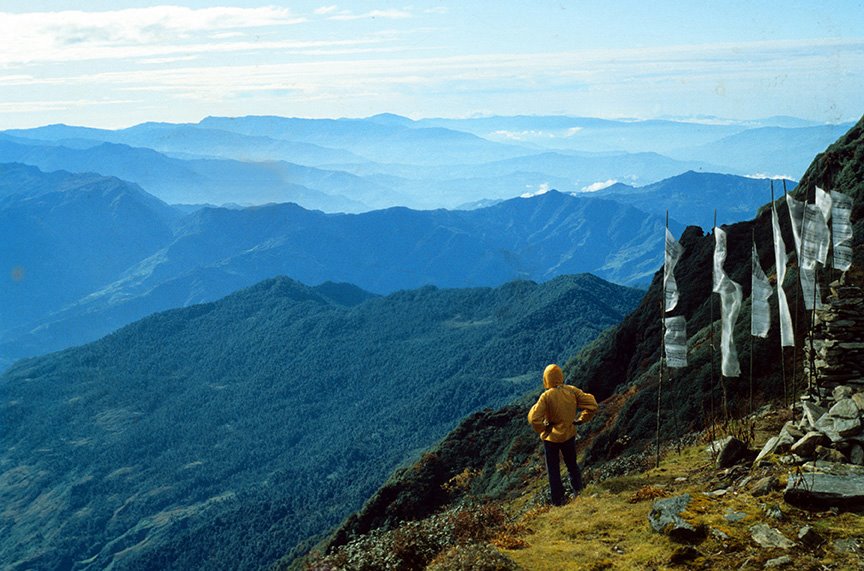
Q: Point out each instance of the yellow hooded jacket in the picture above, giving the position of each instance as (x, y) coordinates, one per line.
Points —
(558, 405)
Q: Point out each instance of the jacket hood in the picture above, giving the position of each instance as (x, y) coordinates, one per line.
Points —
(552, 376)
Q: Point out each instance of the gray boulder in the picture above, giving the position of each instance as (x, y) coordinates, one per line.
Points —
(841, 392)
(767, 536)
(806, 446)
(826, 484)
(666, 518)
(812, 413)
(731, 452)
(845, 408)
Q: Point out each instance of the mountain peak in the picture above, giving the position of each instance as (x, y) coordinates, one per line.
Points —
(391, 119)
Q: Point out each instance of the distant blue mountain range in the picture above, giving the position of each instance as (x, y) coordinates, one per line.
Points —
(96, 253)
(356, 165)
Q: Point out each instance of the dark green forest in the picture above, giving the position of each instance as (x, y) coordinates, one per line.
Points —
(229, 434)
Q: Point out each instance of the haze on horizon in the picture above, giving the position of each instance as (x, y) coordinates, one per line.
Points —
(116, 63)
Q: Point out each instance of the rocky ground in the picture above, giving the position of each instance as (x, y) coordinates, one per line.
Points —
(702, 508)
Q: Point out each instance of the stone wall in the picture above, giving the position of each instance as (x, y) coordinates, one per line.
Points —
(837, 341)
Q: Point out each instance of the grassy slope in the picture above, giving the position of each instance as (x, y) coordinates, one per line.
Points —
(607, 526)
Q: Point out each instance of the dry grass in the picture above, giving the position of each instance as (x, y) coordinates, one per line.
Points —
(607, 527)
(599, 530)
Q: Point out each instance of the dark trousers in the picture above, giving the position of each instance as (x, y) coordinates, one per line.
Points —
(567, 450)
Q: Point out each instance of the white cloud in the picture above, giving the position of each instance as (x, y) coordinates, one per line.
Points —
(346, 15)
(600, 185)
(324, 10)
(762, 175)
(534, 134)
(53, 36)
(59, 104)
(519, 135)
(541, 189)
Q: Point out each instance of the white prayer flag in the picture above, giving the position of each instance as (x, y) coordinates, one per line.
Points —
(760, 314)
(810, 288)
(730, 306)
(815, 238)
(823, 200)
(675, 341)
(841, 230)
(719, 259)
(787, 333)
(796, 217)
(670, 286)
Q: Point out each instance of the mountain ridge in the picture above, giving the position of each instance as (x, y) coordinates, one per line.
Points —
(214, 251)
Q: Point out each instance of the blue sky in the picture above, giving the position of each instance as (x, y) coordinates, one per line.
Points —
(121, 62)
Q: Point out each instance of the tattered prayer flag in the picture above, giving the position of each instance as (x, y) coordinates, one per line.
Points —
(841, 230)
(730, 306)
(815, 238)
(787, 333)
(796, 217)
(810, 290)
(670, 286)
(675, 341)
(719, 259)
(760, 314)
(823, 200)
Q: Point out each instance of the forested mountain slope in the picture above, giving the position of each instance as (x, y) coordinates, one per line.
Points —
(223, 435)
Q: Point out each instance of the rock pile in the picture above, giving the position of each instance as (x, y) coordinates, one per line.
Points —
(838, 339)
(831, 430)
(830, 433)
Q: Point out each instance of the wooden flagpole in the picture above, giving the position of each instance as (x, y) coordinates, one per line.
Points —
(797, 304)
(750, 401)
(711, 336)
(780, 285)
(662, 354)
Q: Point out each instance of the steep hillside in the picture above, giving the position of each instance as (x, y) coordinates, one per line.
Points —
(737, 515)
(623, 364)
(224, 435)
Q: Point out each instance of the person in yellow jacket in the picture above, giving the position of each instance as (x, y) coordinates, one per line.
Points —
(554, 417)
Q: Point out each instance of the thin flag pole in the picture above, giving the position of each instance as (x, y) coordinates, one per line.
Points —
(797, 310)
(662, 357)
(660, 383)
(752, 299)
(812, 331)
(780, 285)
(725, 402)
(711, 333)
